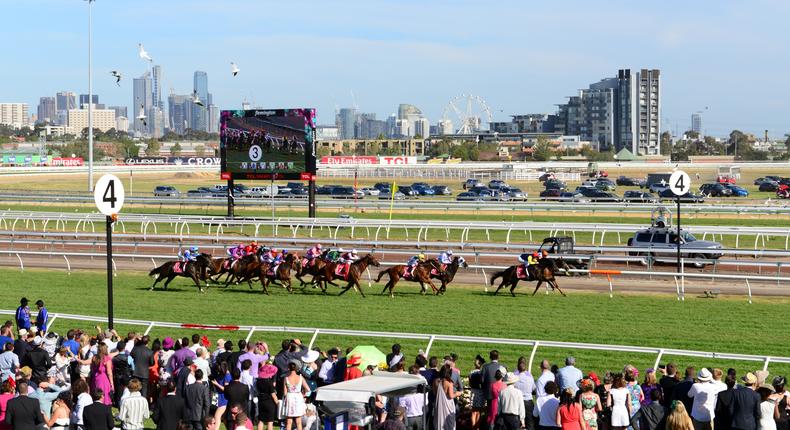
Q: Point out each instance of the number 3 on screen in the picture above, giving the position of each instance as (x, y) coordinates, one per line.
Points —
(255, 153)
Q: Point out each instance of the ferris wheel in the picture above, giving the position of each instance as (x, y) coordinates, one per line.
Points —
(469, 111)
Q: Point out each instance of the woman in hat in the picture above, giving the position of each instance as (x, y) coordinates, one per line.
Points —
(310, 370)
(769, 408)
(630, 373)
(781, 396)
(294, 389)
(267, 395)
(352, 367)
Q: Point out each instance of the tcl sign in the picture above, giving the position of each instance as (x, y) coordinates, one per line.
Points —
(397, 160)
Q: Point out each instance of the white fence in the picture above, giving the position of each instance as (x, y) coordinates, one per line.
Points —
(766, 360)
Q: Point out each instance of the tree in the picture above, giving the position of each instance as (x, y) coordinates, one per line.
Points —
(666, 143)
(460, 151)
(542, 150)
(200, 150)
(373, 148)
(175, 150)
(127, 148)
(323, 151)
(152, 148)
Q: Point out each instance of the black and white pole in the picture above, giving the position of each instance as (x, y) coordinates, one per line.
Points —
(680, 184)
(109, 195)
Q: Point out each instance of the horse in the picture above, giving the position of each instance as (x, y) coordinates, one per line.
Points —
(282, 273)
(448, 274)
(421, 274)
(195, 270)
(241, 269)
(310, 267)
(328, 274)
(545, 273)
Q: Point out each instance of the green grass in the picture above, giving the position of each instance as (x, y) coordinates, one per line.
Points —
(723, 325)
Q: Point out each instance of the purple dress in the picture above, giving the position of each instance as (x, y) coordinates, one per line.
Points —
(101, 380)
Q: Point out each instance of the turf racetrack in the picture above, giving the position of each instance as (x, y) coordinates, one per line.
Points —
(722, 325)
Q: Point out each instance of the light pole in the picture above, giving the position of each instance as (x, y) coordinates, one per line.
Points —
(90, 96)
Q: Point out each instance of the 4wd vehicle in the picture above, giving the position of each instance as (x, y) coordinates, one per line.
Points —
(166, 191)
(550, 194)
(563, 246)
(496, 184)
(605, 185)
(625, 181)
(715, 190)
(662, 237)
(555, 184)
(768, 186)
(470, 183)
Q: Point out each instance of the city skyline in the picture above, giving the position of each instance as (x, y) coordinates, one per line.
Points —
(519, 59)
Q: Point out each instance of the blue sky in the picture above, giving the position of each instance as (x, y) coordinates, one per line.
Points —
(520, 56)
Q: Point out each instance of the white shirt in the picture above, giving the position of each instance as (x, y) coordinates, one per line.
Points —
(194, 347)
(134, 411)
(326, 367)
(129, 346)
(704, 395)
(546, 408)
(545, 377)
(202, 364)
(83, 400)
(511, 402)
(525, 384)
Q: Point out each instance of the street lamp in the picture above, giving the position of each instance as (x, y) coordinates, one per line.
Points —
(90, 96)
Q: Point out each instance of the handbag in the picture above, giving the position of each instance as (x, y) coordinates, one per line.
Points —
(281, 410)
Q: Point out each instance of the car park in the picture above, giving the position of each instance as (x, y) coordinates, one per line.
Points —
(639, 197)
(166, 191)
(715, 190)
(668, 195)
(737, 191)
(442, 190)
(665, 239)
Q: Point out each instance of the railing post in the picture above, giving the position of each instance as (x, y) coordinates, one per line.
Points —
(749, 289)
(658, 358)
(765, 363)
(532, 355)
(68, 264)
(249, 334)
(611, 287)
(21, 265)
(430, 343)
(55, 316)
(148, 329)
(312, 339)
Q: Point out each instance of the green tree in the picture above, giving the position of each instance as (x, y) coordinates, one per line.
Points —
(373, 148)
(542, 149)
(175, 150)
(323, 151)
(152, 148)
(200, 150)
(666, 143)
(460, 151)
(127, 148)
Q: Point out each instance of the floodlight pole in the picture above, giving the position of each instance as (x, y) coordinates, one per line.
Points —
(679, 237)
(109, 274)
(90, 98)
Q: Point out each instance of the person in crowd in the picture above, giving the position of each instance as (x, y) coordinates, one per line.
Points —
(71, 342)
(46, 392)
(134, 408)
(84, 358)
(122, 369)
(197, 401)
(38, 359)
(569, 376)
(512, 405)
(80, 398)
(681, 390)
(630, 375)
(267, 396)
(23, 315)
(620, 403)
(668, 383)
(546, 375)
(478, 399)
(237, 393)
(781, 397)
(651, 416)
(168, 409)
(220, 380)
(63, 361)
(60, 418)
(394, 357)
(546, 407)
(101, 373)
(42, 318)
(769, 408)
(704, 392)
(649, 384)
(493, 404)
(5, 335)
(143, 359)
(6, 394)
(413, 405)
(489, 372)
(745, 406)
(395, 421)
(181, 354)
(569, 416)
(525, 385)
(722, 419)
(184, 377)
(294, 389)
(22, 346)
(444, 405)
(352, 368)
(9, 362)
(678, 418)
(23, 412)
(590, 403)
(603, 389)
(327, 373)
(98, 415)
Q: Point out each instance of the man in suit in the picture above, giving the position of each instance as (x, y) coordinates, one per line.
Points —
(237, 392)
(168, 409)
(23, 413)
(745, 406)
(198, 401)
(183, 377)
(489, 373)
(97, 415)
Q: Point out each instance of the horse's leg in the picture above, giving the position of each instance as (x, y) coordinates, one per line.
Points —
(554, 282)
(348, 287)
(501, 284)
(536, 287)
(386, 286)
(169, 278)
(158, 278)
(433, 287)
(196, 281)
(359, 287)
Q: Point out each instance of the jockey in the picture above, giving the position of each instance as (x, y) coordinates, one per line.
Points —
(254, 245)
(346, 258)
(529, 261)
(270, 256)
(414, 261)
(446, 257)
(314, 252)
(236, 252)
(190, 254)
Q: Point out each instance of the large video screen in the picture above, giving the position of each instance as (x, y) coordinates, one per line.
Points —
(268, 144)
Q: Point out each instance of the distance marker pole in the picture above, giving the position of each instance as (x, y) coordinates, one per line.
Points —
(109, 273)
(679, 237)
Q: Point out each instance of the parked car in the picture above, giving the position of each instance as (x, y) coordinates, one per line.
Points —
(665, 238)
(639, 197)
(326, 189)
(166, 191)
(605, 185)
(668, 195)
(388, 195)
(625, 181)
(408, 191)
(555, 184)
(298, 193)
(591, 182)
(370, 191)
(470, 183)
(442, 190)
(550, 194)
(496, 184)
(604, 197)
(737, 191)
(381, 185)
(346, 193)
(546, 176)
(570, 196)
(586, 191)
(294, 185)
(769, 186)
(658, 187)
(467, 196)
(423, 190)
(715, 190)
(203, 192)
(515, 193)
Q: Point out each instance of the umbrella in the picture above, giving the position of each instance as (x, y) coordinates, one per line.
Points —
(370, 355)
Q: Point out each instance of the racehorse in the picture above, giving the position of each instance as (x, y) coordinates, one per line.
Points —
(196, 270)
(312, 268)
(329, 273)
(421, 274)
(447, 275)
(545, 273)
(241, 269)
(282, 272)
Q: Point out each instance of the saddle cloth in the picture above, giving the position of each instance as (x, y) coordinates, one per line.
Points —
(179, 266)
(522, 273)
(341, 270)
(272, 270)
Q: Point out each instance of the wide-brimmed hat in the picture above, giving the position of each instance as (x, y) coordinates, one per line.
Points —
(354, 360)
(511, 378)
(767, 387)
(704, 375)
(296, 362)
(267, 371)
(26, 371)
(168, 343)
(37, 340)
(22, 332)
(749, 379)
(310, 357)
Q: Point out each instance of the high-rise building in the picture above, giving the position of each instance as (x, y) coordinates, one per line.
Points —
(408, 116)
(422, 128)
(84, 101)
(14, 115)
(142, 102)
(120, 111)
(392, 121)
(157, 87)
(445, 126)
(346, 123)
(64, 101)
(47, 110)
(121, 124)
(103, 120)
(696, 123)
(213, 119)
(639, 112)
(179, 109)
(200, 113)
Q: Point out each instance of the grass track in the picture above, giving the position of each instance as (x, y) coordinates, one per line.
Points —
(723, 325)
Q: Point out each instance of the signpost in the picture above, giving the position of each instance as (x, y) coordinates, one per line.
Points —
(680, 184)
(109, 195)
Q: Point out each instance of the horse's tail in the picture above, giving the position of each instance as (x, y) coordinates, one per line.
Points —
(381, 274)
(497, 275)
(156, 271)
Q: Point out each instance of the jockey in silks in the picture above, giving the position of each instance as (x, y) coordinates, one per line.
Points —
(249, 250)
(277, 259)
(446, 258)
(414, 261)
(346, 258)
(313, 253)
(529, 261)
(188, 255)
(236, 252)
(269, 255)
(254, 245)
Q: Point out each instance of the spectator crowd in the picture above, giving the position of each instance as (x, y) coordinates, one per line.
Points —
(101, 381)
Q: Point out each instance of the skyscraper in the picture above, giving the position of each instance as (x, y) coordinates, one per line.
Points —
(696, 122)
(64, 101)
(179, 109)
(142, 102)
(157, 87)
(200, 113)
(84, 101)
(347, 120)
(47, 110)
(119, 111)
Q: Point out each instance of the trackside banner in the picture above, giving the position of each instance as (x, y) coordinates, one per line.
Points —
(190, 161)
(361, 160)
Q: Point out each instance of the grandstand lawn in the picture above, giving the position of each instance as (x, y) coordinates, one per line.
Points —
(722, 325)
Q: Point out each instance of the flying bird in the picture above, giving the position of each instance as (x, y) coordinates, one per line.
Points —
(196, 99)
(143, 54)
(234, 68)
(141, 117)
(117, 75)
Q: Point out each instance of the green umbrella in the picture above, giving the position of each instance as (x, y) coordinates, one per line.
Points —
(370, 355)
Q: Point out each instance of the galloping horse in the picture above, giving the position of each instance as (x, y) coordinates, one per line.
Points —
(329, 273)
(195, 270)
(421, 274)
(312, 268)
(241, 269)
(447, 275)
(545, 273)
(282, 273)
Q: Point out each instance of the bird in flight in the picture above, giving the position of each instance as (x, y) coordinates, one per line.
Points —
(196, 99)
(234, 68)
(117, 75)
(143, 54)
(141, 116)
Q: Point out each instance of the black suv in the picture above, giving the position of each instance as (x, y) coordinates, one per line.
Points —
(715, 190)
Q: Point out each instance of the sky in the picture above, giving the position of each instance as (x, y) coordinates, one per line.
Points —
(727, 59)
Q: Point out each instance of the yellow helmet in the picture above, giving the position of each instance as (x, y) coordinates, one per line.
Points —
(421, 256)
